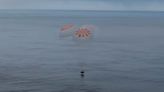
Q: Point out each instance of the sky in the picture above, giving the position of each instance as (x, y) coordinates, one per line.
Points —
(141, 5)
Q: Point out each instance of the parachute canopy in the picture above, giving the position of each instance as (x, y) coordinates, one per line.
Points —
(67, 30)
(66, 27)
(82, 33)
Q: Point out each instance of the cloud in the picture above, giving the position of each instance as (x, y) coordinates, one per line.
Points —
(155, 5)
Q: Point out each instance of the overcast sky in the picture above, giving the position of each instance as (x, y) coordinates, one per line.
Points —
(154, 5)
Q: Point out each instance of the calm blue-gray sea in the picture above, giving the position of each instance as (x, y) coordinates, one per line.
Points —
(126, 53)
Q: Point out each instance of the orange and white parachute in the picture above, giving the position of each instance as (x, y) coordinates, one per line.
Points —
(67, 30)
(83, 33)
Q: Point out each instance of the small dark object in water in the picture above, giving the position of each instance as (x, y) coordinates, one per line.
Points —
(82, 73)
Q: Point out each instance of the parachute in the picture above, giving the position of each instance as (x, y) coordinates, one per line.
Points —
(67, 30)
(82, 33)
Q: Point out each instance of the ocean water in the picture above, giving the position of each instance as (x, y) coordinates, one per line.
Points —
(126, 53)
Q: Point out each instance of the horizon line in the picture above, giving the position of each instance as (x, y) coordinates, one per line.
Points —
(92, 10)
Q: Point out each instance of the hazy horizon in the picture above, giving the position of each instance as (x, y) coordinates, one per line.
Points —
(105, 5)
(81, 10)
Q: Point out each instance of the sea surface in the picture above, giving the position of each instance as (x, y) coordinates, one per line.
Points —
(126, 53)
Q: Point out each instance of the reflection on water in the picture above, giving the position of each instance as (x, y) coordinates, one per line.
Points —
(82, 87)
